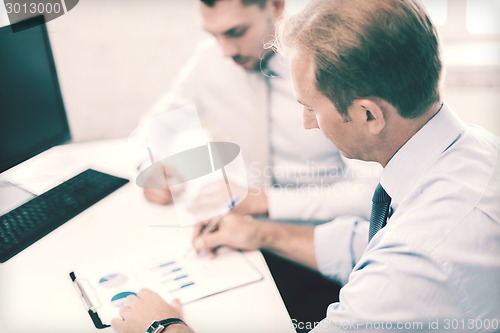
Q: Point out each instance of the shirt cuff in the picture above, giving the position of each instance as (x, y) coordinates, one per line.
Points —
(339, 245)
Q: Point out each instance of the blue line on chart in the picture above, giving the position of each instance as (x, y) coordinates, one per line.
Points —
(177, 278)
(164, 264)
(177, 269)
(183, 286)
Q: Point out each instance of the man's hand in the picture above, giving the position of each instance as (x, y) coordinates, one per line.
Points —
(139, 312)
(157, 188)
(158, 196)
(233, 230)
(295, 242)
(215, 195)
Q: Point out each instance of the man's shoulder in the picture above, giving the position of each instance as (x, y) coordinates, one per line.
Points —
(483, 138)
(473, 157)
(208, 54)
(463, 179)
(207, 47)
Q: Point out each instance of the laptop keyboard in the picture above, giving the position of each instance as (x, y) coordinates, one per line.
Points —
(31, 221)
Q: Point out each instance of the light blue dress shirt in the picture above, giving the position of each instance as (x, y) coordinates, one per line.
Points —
(436, 265)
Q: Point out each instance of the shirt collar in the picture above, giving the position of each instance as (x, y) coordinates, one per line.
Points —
(406, 165)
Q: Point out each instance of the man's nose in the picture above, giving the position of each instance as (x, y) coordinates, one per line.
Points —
(309, 120)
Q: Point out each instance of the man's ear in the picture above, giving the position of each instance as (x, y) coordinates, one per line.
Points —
(278, 7)
(371, 113)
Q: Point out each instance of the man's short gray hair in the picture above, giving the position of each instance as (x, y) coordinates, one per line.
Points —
(369, 48)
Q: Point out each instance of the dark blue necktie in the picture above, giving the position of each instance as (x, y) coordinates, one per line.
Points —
(381, 202)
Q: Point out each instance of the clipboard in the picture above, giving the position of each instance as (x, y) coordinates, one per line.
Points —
(103, 287)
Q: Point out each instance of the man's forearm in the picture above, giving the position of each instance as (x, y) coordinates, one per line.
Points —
(289, 241)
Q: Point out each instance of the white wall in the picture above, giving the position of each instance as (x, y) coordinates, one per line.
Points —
(115, 57)
(472, 60)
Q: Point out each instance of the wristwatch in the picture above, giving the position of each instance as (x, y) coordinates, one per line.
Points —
(159, 326)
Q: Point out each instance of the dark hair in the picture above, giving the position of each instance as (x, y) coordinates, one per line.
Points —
(370, 48)
(260, 3)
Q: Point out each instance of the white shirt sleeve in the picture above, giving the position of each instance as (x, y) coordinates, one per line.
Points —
(339, 245)
(350, 195)
(387, 292)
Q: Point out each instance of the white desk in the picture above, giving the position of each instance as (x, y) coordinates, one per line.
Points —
(36, 294)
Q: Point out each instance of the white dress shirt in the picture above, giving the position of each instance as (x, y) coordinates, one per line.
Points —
(308, 178)
(437, 262)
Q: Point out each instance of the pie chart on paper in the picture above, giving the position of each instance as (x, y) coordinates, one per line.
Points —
(119, 299)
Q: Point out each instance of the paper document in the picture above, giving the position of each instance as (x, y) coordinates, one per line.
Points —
(105, 286)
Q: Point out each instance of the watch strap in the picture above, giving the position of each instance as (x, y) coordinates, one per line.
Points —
(159, 326)
(171, 321)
